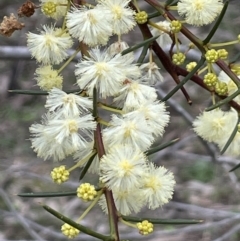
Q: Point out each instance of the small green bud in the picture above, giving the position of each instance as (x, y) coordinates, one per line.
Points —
(86, 192)
(49, 8)
(212, 56)
(145, 227)
(141, 17)
(221, 88)
(178, 58)
(176, 26)
(60, 174)
(210, 80)
(190, 66)
(222, 53)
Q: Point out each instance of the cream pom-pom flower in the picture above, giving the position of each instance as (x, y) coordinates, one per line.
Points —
(130, 130)
(122, 168)
(92, 26)
(50, 46)
(133, 94)
(45, 145)
(199, 12)
(67, 104)
(77, 130)
(122, 16)
(60, 136)
(157, 186)
(105, 72)
(48, 78)
(126, 202)
(215, 125)
(155, 115)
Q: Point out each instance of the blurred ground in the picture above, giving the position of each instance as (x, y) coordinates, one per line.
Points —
(205, 189)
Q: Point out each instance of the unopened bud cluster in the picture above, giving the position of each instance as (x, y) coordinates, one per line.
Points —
(221, 88)
(222, 54)
(210, 80)
(69, 231)
(49, 8)
(60, 174)
(190, 66)
(176, 26)
(145, 227)
(212, 56)
(178, 58)
(86, 192)
(141, 17)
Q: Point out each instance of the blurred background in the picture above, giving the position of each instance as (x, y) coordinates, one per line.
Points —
(205, 189)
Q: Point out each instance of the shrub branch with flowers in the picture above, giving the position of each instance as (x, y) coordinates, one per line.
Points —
(110, 78)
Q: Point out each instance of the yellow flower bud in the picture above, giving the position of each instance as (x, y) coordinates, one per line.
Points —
(69, 231)
(141, 17)
(86, 191)
(178, 58)
(145, 227)
(60, 174)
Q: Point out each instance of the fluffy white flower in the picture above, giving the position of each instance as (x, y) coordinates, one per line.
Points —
(158, 184)
(68, 128)
(155, 115)
(199, 12)
(67, 104)
(50, 46)
(54, 8)
(164, 39)
(92, 26)
(133, 94)
(122, 168)
(46, 145)
(126, 202)
(151, 72)
(105, 72)
(122, 17)
(213, 125)
(48, 78)
(128, 130)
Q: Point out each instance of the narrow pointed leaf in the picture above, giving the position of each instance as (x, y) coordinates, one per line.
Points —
(160, 147)
(86, 167)
(40, 92)
(137, 46)
(224, 101)
(153, 15)
(234, 168)
(74, 224)
(217, 23)
(162, 221)
(184, 81)
(47, 194)
(95, 111)
(169, 2)
(230, 139)
(143, 54)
